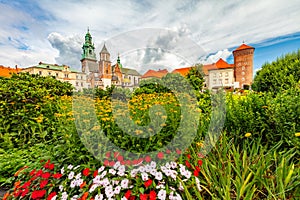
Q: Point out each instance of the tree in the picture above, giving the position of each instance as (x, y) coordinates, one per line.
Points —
(195, 77)
(282, 74)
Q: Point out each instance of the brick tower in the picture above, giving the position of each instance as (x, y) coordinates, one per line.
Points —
(105, 67)
(243, 65)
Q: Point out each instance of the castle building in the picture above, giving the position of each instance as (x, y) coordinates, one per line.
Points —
(224, 75)
(102, 73)
(61, 72)
(8, 71)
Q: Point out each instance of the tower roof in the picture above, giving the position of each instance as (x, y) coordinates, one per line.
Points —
(104, 49)
(243, 46)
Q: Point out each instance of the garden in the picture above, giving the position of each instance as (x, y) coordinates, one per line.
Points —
(152, 143)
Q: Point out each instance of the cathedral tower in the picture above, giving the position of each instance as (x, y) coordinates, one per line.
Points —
(88, 57)
(243, 65)
(105, 67)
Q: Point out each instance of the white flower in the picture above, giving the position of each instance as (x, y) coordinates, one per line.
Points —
(75, 197)
(117, 190)
(112, 171)
(54, 198)
(73, 184)
(70, 167)
(133, 172)
(71, 175)
(158, 176)
(173, 174)
(163, 169)
(92, 189)
(142, 169)
(76, 167)
(173, 165)
(198, 183)
(153, 172)
(187, 174)
(124, 183)
(97, 179)
(78, 176)
(121, 173)
(167, 165)
(103, 174)
(181, 188)
(62, 170)
(115, 182)
(79, 182)
(101, 169)
(123, 198)
(122, 168)
(61, 188)
(99, 197)
(153, 164)
(144, 176)
(64, 196)
(109, 191)
(148, 168)
(162, 194)
(116, 165)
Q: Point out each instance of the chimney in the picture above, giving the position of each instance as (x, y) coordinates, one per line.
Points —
(16, 66)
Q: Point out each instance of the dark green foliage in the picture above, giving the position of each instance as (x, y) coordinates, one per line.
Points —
(281, 74)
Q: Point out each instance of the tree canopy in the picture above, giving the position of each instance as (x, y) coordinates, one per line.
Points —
(279, 75)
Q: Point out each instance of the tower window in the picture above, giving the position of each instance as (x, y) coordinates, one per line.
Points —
(243, 67)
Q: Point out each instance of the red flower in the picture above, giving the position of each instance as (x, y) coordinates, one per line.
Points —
(120, 158)
(43, 183)
(168, 151)
(187, 164)
(143, 196)
(83, 184)
(198, 168)
(95, 173)
(189, 156)
(112, 163)
(86, 171)
(178, 151)
(39, 173)
(46, 175)
(85, 195)
(160, 155)
(148, 183)
(128, 162)
(196, 173)
(57, 175)
(152, 195)
(200, 162)
(38, 194)
(24, 192)
(132, 198)
(26, 184)
(140, 160)
(107, 155)
(47, 164)
(51, 195)
(135, 162)
(32, 172)
(127, 194)
(123, 162)
(51, 166)
(106, 163)
(148, 159)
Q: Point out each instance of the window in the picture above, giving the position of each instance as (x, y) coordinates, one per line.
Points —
(40, 72)
(226, 74)
(243, 67)
(226, 81)
(66, 75)
(220, 74)
(56, 74)
(243, 73)
(220, 81)
(49, 73)
(243, 79)
(76, 76)
(77, 84)
(215, 75)
(81, 77)
(214, 81)
(81, 84)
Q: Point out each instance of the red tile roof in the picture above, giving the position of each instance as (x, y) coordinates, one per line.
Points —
(7, 71)
(221, 64)
(182, 71)
(243, 46)
(155, 74)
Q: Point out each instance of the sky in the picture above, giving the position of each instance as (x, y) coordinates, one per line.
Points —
(147, 33)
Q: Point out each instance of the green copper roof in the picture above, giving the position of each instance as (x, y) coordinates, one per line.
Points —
(88, 47)
(53, 67)
(128, 71)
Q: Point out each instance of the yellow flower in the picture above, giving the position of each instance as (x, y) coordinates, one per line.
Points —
(297, 134)
(199, 144)
(247, 134)
(39, 119)
(138, 132)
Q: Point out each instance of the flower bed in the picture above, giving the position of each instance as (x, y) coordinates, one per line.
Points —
(112, 180)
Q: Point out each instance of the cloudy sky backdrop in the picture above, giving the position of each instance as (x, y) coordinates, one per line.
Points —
(146, 33)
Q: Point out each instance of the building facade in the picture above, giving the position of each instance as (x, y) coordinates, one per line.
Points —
(224, 75)
(60, 72)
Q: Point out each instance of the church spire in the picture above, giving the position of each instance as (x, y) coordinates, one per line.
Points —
(88, 47)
